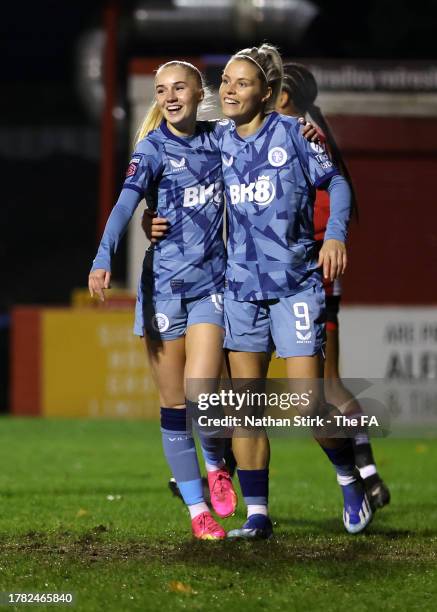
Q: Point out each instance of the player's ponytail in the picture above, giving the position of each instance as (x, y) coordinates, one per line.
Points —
(269, 63)
(150, 122)
(301, 86)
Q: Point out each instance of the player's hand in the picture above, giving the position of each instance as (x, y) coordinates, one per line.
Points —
(309, 131)
(333, 259)
(98, 281)
(154, 227)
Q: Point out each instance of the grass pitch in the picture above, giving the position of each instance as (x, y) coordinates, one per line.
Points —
(84, 508)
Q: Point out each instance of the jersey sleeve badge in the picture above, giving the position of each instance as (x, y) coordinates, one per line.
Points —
(133, 166)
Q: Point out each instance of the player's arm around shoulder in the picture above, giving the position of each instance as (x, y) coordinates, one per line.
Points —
(153, 226)
(219, 129)
(310, 131)
(301, 128)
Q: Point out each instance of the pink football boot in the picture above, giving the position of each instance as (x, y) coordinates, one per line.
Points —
(206, 528)
(223, 497)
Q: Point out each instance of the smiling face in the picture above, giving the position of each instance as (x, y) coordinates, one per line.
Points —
(178, 94)
(243, 91)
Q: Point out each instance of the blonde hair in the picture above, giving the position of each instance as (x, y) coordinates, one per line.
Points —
(154, 116)
(151, 121)
(269, 64)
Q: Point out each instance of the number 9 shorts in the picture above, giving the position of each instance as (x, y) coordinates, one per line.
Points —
(293, 325)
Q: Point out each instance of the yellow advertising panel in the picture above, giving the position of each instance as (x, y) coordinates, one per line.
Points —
(93, 366)
(277, 368)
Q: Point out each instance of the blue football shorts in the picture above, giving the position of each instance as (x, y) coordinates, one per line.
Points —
(169, 319)
(293, 325)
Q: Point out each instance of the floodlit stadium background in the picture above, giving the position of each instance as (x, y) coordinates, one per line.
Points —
(84, 502)
(78, 82)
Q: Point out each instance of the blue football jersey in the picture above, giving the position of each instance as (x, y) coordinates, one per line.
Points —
(181, 179)
(270, 180)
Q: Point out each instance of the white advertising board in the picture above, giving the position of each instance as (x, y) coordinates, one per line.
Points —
(396, 348)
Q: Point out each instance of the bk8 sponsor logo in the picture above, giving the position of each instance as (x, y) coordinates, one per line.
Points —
(201, 194)
(260, 192)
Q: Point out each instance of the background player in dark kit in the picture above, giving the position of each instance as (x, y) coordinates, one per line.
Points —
(297, 98)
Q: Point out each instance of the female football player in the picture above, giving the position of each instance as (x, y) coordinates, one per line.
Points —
(177, 167)
(297, 99)
(273, 288)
